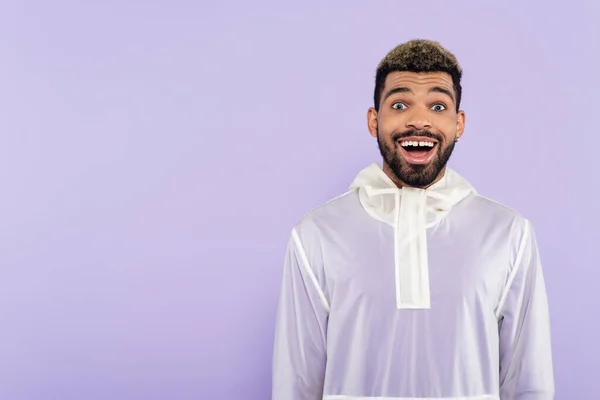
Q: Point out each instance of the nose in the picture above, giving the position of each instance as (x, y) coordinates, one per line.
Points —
(418, 119)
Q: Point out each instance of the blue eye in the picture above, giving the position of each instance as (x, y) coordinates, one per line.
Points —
(438, 107)
(396, 106)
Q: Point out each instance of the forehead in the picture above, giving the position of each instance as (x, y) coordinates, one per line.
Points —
(416, 80)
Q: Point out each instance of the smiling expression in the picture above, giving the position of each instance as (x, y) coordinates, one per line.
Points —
(416, 126)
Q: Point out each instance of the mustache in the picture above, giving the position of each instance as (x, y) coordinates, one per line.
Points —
(417, 133)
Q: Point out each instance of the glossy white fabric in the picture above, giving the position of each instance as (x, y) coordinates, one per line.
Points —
(409, 211)
(346, 330)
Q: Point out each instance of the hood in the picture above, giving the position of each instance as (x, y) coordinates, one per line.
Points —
(410, 211)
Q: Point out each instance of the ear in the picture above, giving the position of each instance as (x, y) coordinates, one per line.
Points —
(460, 123)
(372, 121)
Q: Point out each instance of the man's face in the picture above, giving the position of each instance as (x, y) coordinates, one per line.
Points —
(416, 126)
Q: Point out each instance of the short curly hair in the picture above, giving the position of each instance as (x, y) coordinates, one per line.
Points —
(418, 55)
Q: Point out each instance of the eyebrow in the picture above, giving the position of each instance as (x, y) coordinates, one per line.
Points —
(402, 89)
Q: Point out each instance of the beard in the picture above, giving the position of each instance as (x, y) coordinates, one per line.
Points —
(419, 176)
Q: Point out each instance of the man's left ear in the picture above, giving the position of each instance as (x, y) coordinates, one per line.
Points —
(460, 124)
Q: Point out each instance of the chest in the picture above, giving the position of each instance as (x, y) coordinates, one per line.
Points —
(466, 269)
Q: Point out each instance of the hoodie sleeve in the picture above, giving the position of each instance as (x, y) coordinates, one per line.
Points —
(300, 334)
(526, 370)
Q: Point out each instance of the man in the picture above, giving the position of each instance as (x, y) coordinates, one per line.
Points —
(411, 285)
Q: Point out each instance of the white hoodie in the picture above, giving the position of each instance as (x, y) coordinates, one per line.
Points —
(410, 211)
(406, 294)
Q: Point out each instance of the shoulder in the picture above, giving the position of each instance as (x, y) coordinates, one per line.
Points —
(309, 232)
(488, 209)
(492, 216)
(328, 215)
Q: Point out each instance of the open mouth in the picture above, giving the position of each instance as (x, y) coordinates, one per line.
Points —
(419, 151)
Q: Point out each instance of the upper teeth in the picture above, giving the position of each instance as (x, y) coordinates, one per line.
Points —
(407, 143)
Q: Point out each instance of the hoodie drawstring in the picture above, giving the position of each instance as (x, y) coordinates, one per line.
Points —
(410, 248)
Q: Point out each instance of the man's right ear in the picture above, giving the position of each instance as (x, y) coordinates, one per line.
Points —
(372, 121)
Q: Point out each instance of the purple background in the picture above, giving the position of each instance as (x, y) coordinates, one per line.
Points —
(154, 156)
